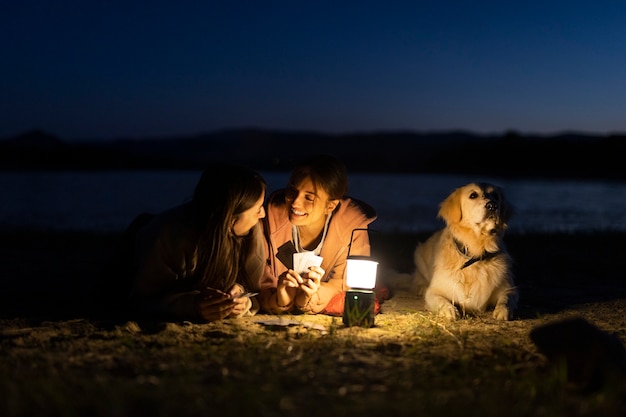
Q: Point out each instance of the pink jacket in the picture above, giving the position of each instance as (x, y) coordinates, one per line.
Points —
(350, 214)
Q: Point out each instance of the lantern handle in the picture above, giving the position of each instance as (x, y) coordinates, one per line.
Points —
(368, 230)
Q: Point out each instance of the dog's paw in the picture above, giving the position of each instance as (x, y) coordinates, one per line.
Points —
(448, 312)
(501, 312)
(418, 285)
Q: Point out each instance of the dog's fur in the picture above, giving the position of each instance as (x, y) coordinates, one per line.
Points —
(465, 267)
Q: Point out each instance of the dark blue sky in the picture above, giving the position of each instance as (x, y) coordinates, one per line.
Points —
(108, 68)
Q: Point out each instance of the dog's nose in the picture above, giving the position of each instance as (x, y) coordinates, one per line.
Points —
(491, 206)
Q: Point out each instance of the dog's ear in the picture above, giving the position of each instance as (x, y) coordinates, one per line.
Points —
(450, 208)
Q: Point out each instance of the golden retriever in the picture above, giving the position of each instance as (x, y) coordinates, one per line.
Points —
(465, 267)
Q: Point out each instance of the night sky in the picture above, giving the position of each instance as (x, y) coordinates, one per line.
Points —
(108, 69)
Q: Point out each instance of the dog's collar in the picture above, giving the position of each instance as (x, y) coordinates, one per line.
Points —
(463, 251)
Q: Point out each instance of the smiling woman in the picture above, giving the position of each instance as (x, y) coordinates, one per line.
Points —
(313, 214)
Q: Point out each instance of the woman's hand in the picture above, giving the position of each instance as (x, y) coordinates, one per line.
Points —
(236, 289)
(288, 283)
(213, 304)
(309, 286)
(241, 304)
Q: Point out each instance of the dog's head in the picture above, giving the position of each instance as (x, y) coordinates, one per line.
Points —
(479, 206)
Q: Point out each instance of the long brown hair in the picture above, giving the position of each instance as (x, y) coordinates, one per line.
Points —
(222, 194)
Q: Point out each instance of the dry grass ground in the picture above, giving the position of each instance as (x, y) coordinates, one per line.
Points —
(62, 356)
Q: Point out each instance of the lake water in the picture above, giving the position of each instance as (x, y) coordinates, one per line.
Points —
(107, 201)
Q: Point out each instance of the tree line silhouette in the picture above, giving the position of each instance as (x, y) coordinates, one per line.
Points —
(510, 154)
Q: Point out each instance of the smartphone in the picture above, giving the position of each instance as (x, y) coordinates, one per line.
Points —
(246, 294)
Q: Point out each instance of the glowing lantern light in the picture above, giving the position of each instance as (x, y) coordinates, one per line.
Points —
(360, 297)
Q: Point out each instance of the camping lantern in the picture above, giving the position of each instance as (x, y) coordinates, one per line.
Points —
(360, 297)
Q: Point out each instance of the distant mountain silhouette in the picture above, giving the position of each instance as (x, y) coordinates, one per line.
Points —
(508, 155)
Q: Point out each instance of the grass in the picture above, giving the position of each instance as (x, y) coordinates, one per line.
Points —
(408, 364)
(58, 360)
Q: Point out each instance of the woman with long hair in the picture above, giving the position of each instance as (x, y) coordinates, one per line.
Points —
(192, 261)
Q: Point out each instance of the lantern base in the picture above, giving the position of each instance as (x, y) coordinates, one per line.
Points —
(359, 308)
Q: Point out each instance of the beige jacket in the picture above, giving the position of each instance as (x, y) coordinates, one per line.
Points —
(350, 214)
